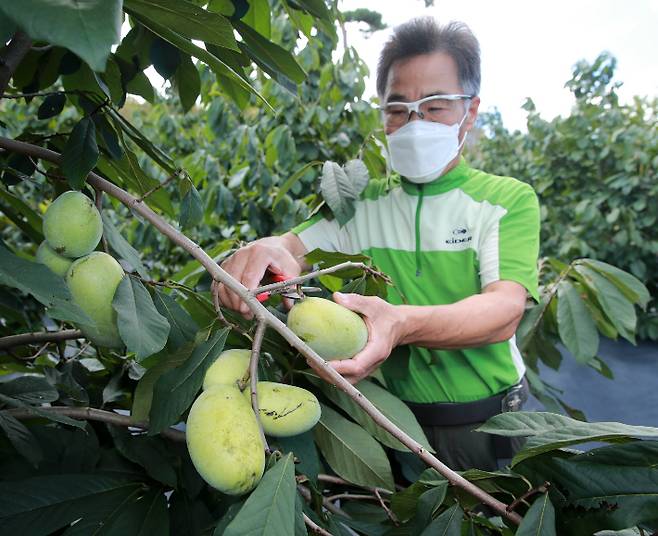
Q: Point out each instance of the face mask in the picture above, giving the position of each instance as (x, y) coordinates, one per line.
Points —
(421, 150)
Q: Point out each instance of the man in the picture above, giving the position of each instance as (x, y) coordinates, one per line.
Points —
(461, 246)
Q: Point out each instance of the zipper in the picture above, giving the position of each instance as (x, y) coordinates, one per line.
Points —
(419, 205)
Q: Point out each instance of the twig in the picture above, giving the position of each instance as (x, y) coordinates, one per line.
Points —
(388, 511)
(353, 496)
(261, 313)
(534, 491)
(39, 337)
(94, 414)
(11, 56)
(303, 278)
(99, 206)
(342, 482)
(214, 290)
(160, 185)
(315, 528)
(306, 493)
(253, 378)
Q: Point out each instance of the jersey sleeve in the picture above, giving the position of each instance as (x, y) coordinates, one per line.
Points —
(510, 247)
(319, 233)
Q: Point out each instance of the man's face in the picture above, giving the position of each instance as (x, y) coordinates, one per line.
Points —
(429, 74)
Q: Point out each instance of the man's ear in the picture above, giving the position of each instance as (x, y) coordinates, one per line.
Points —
(469, 123)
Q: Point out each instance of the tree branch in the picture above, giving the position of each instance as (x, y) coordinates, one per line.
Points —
(315, 529)
(39, 337)
(93, 414)
(253, 377)
(11, 56)
(261, 314)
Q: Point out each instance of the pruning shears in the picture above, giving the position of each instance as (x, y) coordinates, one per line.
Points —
(294, 294)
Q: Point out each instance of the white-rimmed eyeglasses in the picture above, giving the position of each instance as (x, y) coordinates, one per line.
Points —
(432, 108)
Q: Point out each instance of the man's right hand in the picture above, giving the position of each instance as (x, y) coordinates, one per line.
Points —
(281, 255)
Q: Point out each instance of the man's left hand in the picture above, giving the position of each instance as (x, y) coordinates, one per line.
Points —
(383, 324)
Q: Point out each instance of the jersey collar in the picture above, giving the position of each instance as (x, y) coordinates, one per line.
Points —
(454, 178)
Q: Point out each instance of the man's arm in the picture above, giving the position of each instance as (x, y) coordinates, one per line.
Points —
(474, 321)
(279, 254)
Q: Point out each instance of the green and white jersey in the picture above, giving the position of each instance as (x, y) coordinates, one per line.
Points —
(440, 243)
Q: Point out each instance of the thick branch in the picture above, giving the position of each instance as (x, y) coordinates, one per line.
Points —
(39, 337)
(93, 414)
(10, 58)
(262, 314)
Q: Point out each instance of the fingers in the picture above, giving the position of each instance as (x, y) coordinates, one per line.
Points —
(355, 302)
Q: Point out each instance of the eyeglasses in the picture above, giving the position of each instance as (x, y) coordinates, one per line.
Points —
(432, 108)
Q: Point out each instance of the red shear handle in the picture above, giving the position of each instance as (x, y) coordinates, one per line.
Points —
(276, 278)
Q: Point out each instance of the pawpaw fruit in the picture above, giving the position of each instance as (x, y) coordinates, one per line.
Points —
(228, 368)
(285, 410)
(332, 330)
(72, 225)
(93, 280)
(224, 441)
(48, 256)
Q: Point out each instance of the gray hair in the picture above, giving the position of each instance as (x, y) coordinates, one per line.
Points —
(424, 35)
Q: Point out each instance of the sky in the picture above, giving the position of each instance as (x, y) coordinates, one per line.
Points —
(529, 47)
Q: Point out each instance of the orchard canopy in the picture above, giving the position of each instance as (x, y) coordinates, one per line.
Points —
(260, 123)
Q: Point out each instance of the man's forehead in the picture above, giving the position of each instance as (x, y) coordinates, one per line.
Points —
(421, 76)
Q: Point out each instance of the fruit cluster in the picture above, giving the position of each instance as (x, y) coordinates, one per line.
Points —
(222, 431)
(72, 227)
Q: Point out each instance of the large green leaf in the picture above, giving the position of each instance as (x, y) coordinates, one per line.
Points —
(575, 325)
(176, 389)
(88, 28)
(39, 281)
(191, 206)
(632, 287)
(391, 406)
(32, 390)
(341, 188)
(122, 247)
(351, 452)
(447, 524)
(188, 83)
(21, 438)
(270, 509)
(80, 153)
(188, 19)
(615, 304)
(43, 504)
(539, 520)
(183, 327)
(550, 431)
(141, 326)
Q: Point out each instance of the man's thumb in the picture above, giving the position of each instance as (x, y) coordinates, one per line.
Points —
(351, 301)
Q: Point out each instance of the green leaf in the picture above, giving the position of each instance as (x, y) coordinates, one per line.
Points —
(615, 304)
(549, 431)
(43, 504)
(575, 325)
(30, 390)
(165, 57)
(428, 503)
(351, 452)
(539, 520)
(51, 106)
(183, 327)
(176, 389)
(188, 83)
(220, 68)
(270, 509)
(273, 59)
(191, 209)
(391, 406)
(143, 397)
(187, 19)
(285, 187)
(339, 192)
(141, 326)
(447, 524)
(88, 28)
(632, 287)
(258, 17)
(48, 288)
(80, 153)
(21, 438)
(122, 247)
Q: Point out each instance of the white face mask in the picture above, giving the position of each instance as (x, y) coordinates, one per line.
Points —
(421, 150)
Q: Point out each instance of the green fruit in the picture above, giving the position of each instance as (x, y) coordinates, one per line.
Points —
(58, 264)
(332, 330)
(286, 410)
(72, 225)
(224, 440)
(228, 368)
(93, 280)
